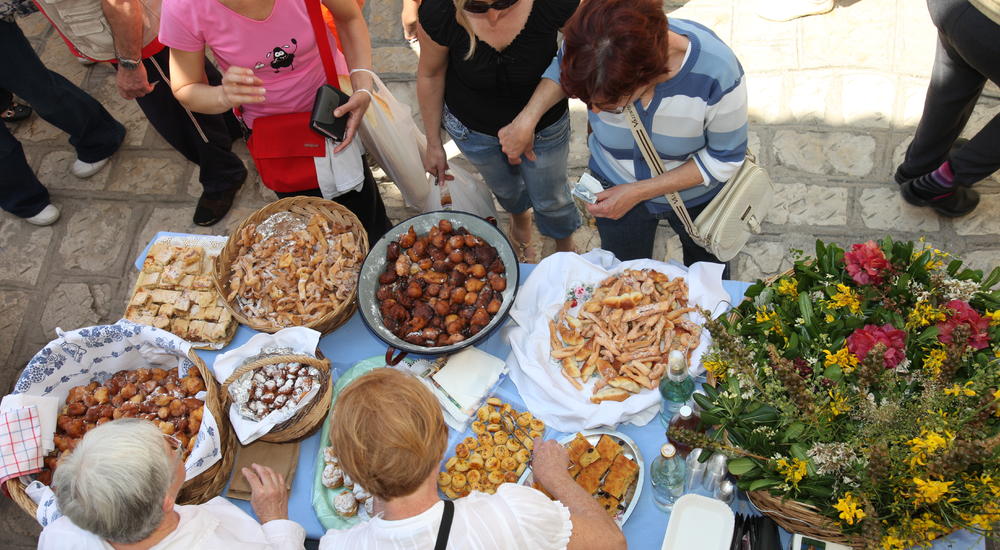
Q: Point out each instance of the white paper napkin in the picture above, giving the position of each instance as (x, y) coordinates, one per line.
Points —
(48, 410)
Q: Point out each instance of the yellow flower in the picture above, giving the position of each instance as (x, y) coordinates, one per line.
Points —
(957, 390)
(845, 297)
(890, 542)
(934, 360)
(929, 491)
(829, 318)
(996, 397)
(993, 316)
(838, 403)
(793, 471)
(765, 316)
(717, 368)
(923, 314)
(926, 444)
(927, 528)
(788, 287)
(849, 510)
(844, 359)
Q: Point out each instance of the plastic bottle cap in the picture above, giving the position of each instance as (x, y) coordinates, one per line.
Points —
(685, 411)
(667, 450)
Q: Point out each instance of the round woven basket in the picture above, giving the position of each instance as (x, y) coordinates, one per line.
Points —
(307, 418)
(797, 517)
(201, 488)
(305, 206)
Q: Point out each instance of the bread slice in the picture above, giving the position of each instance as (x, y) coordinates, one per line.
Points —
(610, 393)
(608, 447)
(625, 383)
(620, 476)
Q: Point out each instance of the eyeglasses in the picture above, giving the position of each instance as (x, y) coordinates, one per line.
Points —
(475, 6)
(175, 445)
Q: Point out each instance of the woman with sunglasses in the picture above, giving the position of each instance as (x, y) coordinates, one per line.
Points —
(480, 62)
(689, 91)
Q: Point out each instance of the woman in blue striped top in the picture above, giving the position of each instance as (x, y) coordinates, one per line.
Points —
(689, 90)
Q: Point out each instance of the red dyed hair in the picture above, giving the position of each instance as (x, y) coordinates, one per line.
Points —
(612, 47)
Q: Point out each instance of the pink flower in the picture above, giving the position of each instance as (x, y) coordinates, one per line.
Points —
(866, 263)
(862, 340)
(962, 313)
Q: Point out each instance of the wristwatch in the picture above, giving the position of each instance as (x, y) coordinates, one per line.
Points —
(129, 64)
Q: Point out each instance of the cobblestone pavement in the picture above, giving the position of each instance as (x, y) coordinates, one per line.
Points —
(833, 103)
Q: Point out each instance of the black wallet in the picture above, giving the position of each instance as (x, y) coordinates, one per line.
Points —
(322, 120)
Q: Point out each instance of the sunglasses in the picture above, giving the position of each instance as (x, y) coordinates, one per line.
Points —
(483, 7)
(175, 445)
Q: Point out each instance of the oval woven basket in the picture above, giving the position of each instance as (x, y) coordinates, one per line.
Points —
(201, 488)
(306, 419)
(305, 206)
(797, 517)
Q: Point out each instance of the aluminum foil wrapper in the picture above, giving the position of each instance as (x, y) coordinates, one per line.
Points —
(240, 389)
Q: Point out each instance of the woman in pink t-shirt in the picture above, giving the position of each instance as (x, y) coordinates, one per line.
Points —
(267, 50)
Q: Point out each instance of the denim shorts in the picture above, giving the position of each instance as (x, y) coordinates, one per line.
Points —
(540, 184)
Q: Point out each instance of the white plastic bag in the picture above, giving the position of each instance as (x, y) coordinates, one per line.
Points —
(468, 194)
(390, 135)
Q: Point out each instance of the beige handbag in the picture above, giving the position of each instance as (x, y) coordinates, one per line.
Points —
(726, 224)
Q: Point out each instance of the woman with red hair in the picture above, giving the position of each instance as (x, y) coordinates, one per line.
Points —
(688, 89)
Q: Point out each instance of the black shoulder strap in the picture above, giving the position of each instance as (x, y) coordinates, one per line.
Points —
(444, 530)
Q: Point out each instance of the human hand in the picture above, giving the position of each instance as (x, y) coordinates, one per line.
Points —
(549, 462)
(615, 202)
(516, 139)
(133, 83)
(436, 162)
(239, 86)
(408, 17)
(268, 495)
(355, 110)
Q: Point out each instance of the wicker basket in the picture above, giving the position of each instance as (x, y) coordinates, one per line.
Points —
(796, 517)
(306, 206)
(306, 419)
(201, 488)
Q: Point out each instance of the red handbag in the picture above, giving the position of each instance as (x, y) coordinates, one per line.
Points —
(284, 147)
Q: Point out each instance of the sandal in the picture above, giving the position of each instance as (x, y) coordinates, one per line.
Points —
(525, 254)
(16, 113)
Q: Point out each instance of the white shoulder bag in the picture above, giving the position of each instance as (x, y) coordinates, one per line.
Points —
(726, 224)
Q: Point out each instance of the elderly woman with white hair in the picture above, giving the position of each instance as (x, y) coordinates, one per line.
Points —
(117, 490)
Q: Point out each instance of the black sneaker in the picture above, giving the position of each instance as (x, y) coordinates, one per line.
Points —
(955, 202)
(212, 207)
(902, 177)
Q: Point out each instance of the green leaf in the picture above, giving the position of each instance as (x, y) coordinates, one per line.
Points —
(822, 492)
(740, 466)
(763, 484)
(763, 413)
(710, 419)
(953, 267)
(993, 279)
(834, 373)
(794, 430)
(704, 401)
(805, 306)
(710, 391)
(798, 450)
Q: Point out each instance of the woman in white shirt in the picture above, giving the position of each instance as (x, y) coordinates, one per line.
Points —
(117, 491)
(389, 436)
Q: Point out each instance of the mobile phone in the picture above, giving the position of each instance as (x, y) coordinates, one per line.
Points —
(322, 120)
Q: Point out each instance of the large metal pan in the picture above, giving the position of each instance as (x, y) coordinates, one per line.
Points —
(375, 264)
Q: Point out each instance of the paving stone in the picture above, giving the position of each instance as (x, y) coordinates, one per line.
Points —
(383, 20)
(20, 532)
(94, 234)
(983, 220)
(34, 25)
(761, 44)
(35, 129)
(149, 175)
(802, 204)
(760, 259)
(753, 144)
(22, 250)
(579, 152)
(825, 153)
(394, 60)
(986, 260)
(867, 99)
(814, 96)
(124, 110)
(765, 97)
(71, 306)
(916, 40)
(912, 92)
(714, 14)
(884, 208)
(55, 53)
(858, 35)
(54, 173)
(984, 112)
(14, 304)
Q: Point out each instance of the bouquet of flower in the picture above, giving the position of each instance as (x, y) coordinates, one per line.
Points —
(865, 383)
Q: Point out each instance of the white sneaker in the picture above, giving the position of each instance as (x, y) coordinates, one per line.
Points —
(786, 10)
(47, 216)
(83, 170)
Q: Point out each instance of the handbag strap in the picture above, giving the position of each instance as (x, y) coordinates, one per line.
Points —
(649, 153)
(444, 530)
(322, 38)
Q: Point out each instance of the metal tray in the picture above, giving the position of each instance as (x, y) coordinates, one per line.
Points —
(629, 449)
(374, 265)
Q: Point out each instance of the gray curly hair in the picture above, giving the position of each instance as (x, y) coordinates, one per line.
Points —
(114, 482)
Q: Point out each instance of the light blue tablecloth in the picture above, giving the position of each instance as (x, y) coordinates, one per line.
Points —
(353, 342)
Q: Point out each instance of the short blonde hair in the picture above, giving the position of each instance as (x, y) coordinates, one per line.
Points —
(388, 432)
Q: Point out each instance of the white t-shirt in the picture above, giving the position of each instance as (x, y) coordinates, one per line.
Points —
(214, 525)
(515, 517)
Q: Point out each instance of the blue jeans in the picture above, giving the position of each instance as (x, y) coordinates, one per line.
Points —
(93, 132)
(631, 236)
(539, 184)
